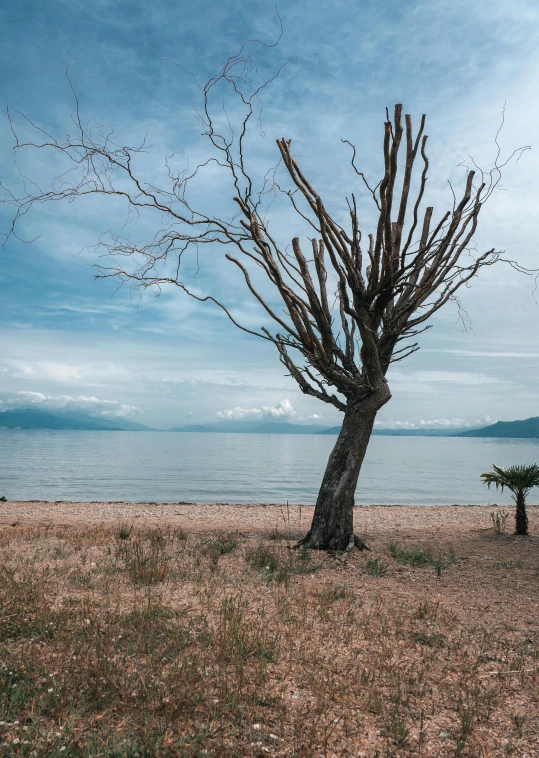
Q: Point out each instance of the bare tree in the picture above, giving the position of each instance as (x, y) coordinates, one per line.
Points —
(350, 304)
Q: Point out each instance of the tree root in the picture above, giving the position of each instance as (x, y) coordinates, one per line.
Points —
(312, 543)
(360, 543)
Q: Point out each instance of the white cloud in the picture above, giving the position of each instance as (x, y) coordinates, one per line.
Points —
(453, 377)
(93, 405)
(283, 409)
(435, 423)
(484, 353)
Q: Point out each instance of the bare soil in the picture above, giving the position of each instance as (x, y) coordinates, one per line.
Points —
(426, 645)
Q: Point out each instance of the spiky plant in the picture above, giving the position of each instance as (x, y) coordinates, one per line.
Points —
(519, 480)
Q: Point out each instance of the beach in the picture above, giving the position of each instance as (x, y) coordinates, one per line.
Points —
(427, 644)
(452, 521)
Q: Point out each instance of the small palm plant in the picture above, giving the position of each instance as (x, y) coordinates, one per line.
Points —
(519, 480)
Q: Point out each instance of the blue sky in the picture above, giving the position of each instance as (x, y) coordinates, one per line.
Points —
(69, 341)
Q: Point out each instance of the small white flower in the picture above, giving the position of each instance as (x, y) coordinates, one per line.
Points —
(16, 741)
(256, 727)
(62, 748)
(273, 736)
(88, 622)
(50, 689)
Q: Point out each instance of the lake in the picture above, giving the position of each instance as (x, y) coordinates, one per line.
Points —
(245, 468)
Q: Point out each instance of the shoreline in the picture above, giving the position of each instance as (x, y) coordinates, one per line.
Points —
(371, 521)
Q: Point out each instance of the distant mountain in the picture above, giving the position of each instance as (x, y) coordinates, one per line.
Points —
(527, 429)
(403, 432)
(107, 423)
(252, 427)
(34, 418)
(331, 430)
(417, 432)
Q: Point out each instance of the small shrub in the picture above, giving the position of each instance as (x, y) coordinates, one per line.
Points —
(262, 558)
(124, 532)
(330, 594)
(466, 717)
(410, 556)
(3, 499)
(222, 544)
(281, 568)
(498, 519)
(429, 640)
(399, 732)
(148, 562)
(419, 556)
(518, 723)
(376, 567)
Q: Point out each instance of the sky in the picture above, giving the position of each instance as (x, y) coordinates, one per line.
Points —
(68, 341)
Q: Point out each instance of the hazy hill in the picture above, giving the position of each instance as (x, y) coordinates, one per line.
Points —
(252, 427)
(34, 418)
(403, 432)
(527, 429)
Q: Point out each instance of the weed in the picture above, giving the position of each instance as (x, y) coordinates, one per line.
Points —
(124, 532)
(498, 519)
(429, 640)
(399, 732)
(222, 544)
(410, 556)
(262, 558)
(331, 593)
(419, 556)
(466, 717)
(509, 565)
(518, 723)
(281, 567)
(376, 567)
(149, 561)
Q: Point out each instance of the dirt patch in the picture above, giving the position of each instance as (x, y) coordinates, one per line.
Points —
(183, 630)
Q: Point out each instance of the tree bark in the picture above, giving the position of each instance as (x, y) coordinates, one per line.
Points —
(521, 517)
(332, 527)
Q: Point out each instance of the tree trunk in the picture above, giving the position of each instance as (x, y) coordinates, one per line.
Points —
(332, 527)
(521, 517)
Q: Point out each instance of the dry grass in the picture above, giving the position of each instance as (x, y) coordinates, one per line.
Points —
(151, 642)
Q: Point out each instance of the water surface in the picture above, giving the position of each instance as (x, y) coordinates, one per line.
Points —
(245, 468)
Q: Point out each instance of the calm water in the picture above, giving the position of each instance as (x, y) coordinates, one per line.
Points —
(243, 468)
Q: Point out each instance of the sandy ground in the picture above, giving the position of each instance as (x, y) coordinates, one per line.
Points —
(450, 522)
(484, 607)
